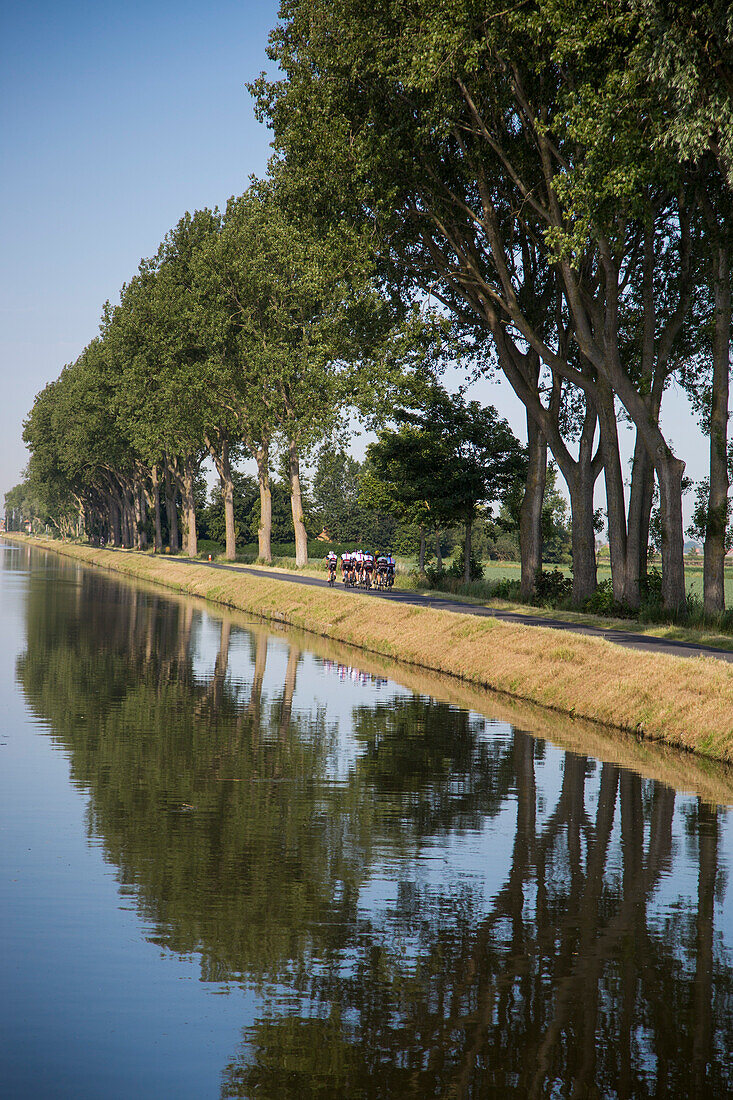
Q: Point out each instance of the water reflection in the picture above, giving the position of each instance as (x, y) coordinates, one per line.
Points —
(427, 903)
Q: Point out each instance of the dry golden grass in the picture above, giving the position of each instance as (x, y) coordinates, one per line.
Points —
(695, 634)
(683, 702)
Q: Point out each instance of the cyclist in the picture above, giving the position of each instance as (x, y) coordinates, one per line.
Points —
(391, 565)
(331, 562)
(368, 569)
(381, 560)
(345, 563)
(358, 559)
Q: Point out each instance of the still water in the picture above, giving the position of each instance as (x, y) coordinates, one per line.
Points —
(236, 865)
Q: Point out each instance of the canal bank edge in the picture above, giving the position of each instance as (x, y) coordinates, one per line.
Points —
(685, 702)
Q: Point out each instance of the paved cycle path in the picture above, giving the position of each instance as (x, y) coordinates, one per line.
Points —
(626, 638)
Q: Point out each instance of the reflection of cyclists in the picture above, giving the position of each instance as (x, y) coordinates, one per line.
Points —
(331, 561)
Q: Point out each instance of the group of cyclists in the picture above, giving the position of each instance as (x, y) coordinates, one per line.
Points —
(362, 570)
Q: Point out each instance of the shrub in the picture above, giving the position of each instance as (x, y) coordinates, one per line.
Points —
(504, 548)
(434, 576)
(317, 550)
(209, 546)
(552, 587)
(458, 567)
(651, 588)
(506, 589)
(603, 603)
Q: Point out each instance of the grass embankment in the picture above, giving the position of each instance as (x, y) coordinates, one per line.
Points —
(476, 594)
(679, 701)
(694, 626)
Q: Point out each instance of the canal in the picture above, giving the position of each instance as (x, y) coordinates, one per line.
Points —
(237, 862)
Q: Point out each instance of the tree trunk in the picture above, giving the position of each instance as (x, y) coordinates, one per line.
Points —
(189, 508)
(139, 506)
(615, 499)
(530, 514)
(581, 484)
(158, 536)
(174, 540)
(421, 552)
(264, 530)
(143, 516)
(669, 474)
(580, 476)
(114, 522)
(296, 504)
(467, 553)
(125, 532)
(131, 526)
(637, 543)
(717, 513)
(669, 469)
(131, 511)
(438, 552)
(224, 469)
(228, 491)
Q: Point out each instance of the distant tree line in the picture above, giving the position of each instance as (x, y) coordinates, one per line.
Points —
(557, 177)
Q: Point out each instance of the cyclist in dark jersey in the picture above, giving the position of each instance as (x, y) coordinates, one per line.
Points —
(368, 569)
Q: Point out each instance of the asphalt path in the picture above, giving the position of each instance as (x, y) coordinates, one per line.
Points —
(628, 638)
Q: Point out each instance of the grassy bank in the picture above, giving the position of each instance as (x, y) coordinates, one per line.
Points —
(697, 628)
(682, 702)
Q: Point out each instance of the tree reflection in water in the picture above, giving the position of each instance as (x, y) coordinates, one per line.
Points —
(216, 798)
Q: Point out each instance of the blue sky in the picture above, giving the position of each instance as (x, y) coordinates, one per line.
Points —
(114, 120)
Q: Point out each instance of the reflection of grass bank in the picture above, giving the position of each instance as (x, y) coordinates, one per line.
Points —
(683, 702)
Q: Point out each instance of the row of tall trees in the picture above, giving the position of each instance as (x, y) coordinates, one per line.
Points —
(232, 340)
(558, 180)
(559, 177)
